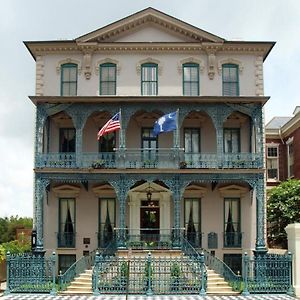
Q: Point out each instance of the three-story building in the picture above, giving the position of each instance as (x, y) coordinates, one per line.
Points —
(204, 180)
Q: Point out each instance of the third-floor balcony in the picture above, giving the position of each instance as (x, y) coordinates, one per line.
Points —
(149, 159)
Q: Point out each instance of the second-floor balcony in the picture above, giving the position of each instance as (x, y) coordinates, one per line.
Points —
(149, 159)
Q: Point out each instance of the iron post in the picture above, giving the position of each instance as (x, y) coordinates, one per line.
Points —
(95, 278)
(245, 274)
(203, 279)
(7, 290)
(53, 267)
(149, 289)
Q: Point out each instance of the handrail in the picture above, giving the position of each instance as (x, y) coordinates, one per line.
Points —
(78, 267)
(224, 270)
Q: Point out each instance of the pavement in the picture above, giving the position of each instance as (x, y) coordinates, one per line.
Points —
(142, 297)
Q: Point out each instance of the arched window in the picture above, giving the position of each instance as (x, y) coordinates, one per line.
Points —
(230, 79)
(68, 79)
(108, 79)
(190, 79)
(149, 79)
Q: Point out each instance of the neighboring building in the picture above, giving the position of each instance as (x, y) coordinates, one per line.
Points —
(204, 180)
(283, 148)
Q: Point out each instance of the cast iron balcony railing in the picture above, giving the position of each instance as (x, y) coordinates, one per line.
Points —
(66, 240)
(150, 159)
(232, 239)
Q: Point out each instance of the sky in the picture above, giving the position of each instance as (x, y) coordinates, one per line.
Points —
(34, 20)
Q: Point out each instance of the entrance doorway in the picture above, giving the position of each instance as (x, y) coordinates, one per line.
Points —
(149, 220)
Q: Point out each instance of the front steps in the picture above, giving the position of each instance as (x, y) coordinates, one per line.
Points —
(216, 285)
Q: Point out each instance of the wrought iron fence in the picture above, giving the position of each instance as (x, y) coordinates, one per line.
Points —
(267, 273)
(148, 275)
(149, 159)
(30, 273)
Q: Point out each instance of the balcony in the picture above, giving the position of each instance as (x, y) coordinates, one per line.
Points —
(149, 159)
(66, 240)
(232, 239)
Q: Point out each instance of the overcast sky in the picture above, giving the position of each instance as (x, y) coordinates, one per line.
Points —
(24, 20)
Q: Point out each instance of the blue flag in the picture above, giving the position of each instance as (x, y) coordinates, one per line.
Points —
(165, 123)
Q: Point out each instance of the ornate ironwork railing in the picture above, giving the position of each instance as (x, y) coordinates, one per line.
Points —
(149, 159)
(78, 267)
(28, 273)
(146, 275)
(267, 273)
(232, 239)
(66, 239)
(222, 269)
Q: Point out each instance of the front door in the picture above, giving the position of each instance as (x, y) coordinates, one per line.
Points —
(149, 222)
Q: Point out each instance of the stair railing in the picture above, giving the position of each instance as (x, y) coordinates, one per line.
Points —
(198, 264)
(212, 262)
(78, 267)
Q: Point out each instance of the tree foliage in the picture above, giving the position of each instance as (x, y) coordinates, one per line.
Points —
(283, 208)
(8, 227)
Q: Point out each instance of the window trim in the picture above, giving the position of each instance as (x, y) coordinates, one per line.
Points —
(239, 138)
(60, 199)
(190, 65)
(239, 223)
(237, 82)
(273, 158)
(107, 65)
(62, 82)
(148, 65)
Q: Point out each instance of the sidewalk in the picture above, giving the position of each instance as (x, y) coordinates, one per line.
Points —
(143, 297)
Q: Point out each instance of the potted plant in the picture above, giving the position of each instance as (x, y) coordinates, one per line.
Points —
(182, 164)
(98, 164)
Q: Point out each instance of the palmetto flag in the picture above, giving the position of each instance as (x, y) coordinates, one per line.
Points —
(165, 123)
(110, 126)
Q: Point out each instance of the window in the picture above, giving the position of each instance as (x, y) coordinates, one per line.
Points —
(272, 163)
(232, 231)
(149, 79)
(190, 79)
(232, 140)
(67, 140)
(234, 262)
(107, 221)
(290, 159)
(66, 232)
(149, 146)
(107, 142)
(191, 144)
(65, 261)
(230, 77)
(108, 79)
(68, 80)
(192, 220)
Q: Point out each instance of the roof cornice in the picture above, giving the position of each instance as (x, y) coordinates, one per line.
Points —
(51, 47)
(146, 99)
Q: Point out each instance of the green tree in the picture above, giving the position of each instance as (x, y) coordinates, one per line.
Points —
(283, 208)
(8, 227)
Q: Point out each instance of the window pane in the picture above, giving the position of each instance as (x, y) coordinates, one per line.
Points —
(69, 80)
(272, 151)
(230, 80)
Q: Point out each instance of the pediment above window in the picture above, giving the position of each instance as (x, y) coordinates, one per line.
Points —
(107, 61)
(66, 190)
(149, 60)
(195, 191)
(230, 60)
(191, 60)
(103, 190)
(233, 191)
(68, 61)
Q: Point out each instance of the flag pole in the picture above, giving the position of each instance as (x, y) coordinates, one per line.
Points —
(121, 131)
(177, 129)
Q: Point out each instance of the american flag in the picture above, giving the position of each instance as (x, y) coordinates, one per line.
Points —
(111, 125)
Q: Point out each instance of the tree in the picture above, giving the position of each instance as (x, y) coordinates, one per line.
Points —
(283, 208)
(8, 227)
